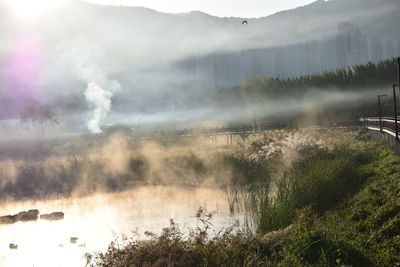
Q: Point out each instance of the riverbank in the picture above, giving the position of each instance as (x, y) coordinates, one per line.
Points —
(344, 210)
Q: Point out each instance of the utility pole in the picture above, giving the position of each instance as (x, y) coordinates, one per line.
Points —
(365, 114)
(398, 70)
(395, 100)
(380, 112)
(254, 120)
(395, 112)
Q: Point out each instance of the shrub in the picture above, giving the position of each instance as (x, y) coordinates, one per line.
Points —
(139, 167)
(313, 246)
(321, 180)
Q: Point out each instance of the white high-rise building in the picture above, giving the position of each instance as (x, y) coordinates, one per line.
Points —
(352, 42)
(375, 49)
(347, 48)
(329, 55)
(390, 48)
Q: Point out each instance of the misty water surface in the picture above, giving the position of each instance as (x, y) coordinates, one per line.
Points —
(101, 219)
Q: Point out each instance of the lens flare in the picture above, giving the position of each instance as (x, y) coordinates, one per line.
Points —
(24, 65)
(30, 9)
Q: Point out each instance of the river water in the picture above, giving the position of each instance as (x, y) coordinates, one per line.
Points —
(100, 219)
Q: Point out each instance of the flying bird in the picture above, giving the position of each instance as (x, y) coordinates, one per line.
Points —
(244, 22)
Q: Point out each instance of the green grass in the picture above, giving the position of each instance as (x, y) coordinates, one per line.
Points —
(322, 180)
(371, 219)
(365, 229)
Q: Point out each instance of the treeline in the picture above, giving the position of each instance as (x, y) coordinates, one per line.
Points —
(353, 78)
(358, 77)
(368, 79)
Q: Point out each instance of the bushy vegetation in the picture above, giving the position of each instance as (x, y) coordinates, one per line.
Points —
(367, 224)
(312, 245)
(322, 180)
(171, 248)
(334, 206)
(115, 164)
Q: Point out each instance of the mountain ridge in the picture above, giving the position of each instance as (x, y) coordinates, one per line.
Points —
(380, 12)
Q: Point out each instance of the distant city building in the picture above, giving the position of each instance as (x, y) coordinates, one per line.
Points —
(351, 41)
(390, 48)
(329, 55)
(348, 47)
(375, 48)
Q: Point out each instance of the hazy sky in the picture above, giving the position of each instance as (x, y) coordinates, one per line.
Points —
(222, 8)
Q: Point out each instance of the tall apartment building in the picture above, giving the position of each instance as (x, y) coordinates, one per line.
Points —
(348, 38)
(348, 47)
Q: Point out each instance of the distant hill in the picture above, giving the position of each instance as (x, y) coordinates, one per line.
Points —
(377, 18)
(156, 56)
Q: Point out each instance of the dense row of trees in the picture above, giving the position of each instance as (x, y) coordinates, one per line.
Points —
(359, 77)
(362, 82)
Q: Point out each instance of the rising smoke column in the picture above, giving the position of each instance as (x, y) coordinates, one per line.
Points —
(88, 62)
(101, 100)
(98, 93)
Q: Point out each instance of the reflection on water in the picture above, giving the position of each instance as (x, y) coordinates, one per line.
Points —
(99, 219)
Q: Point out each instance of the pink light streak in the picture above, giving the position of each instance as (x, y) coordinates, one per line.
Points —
(24, 64)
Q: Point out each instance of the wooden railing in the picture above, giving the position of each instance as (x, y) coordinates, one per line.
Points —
(244, 130)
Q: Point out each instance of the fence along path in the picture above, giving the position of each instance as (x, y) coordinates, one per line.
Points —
(383, 130)
(242, 131)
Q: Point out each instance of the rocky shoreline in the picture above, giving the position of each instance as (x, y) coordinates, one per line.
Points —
(31, 215)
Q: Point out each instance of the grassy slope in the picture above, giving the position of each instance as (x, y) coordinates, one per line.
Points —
(371, 219)
(363, 230)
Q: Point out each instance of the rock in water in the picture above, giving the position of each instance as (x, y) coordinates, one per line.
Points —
(24, 216)
(30, 215)
(9, 219)
(33, 214)
(55, 216)
(13, 246)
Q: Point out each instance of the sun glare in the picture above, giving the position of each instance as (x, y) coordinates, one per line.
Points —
(30, 9)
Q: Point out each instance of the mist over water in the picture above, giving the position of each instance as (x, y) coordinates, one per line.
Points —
(86, 92)
(106, 188)
(102, 218)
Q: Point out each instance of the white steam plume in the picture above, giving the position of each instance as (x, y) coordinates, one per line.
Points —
(87, 62)
(101, 99)
(98, 94)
